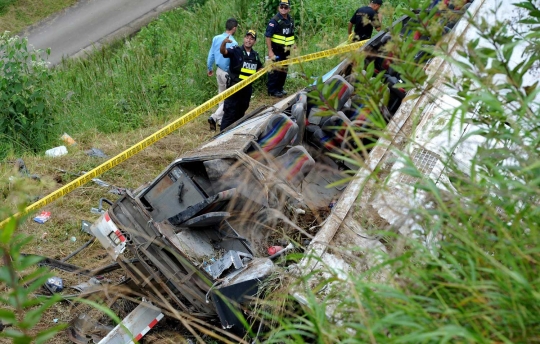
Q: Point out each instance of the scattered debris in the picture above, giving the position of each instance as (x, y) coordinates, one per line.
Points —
(141, 320)
(23, 171)
(55, 284)
(79, 249)
(84, 326)
(191, 228)
(97, 211)
(68, 139)
(101, 182)
(228, 260)
(85, 227)
(332, 204)
(91, 284)
(20, 166)
(96, 153)
(100, 209)
(281, 251)
(43, 217)
(274, 249)
(115, 190)
(56, 151)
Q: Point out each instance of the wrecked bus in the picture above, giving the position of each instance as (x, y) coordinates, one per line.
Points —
(194, 240)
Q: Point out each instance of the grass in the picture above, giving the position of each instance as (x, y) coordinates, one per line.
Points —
(139, 82)
(478, 283)
(163, 68)
(159, 71)
(17, 15)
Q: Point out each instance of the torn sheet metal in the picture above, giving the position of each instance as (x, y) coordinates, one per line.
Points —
(92, 284)
(108, 234)
(84, 328)
(141, 320)
(231, 258)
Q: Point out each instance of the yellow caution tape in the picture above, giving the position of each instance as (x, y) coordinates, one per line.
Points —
(109, 164)
(325, 53)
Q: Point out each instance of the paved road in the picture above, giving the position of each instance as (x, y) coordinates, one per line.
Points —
(91, 23)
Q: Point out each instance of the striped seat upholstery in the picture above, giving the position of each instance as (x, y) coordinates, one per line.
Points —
(337, 91)
(280, 130)
(295, 164)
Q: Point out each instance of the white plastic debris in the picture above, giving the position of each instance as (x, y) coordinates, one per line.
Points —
(56, 151)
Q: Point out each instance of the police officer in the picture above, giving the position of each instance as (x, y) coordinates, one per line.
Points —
(244, 62)
(364, 19)
(279, 40)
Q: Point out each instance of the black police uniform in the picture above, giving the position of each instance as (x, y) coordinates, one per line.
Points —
(281, 33)
(362, 31)
(242, 67)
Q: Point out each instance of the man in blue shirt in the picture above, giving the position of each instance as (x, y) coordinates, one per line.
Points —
(214, 56)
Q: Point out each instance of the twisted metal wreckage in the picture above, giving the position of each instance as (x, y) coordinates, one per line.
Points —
(193, 241)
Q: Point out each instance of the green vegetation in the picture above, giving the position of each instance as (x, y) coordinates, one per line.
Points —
(26, 121)
(4, 5)
(17, 15)
(163, 69)
(479, 282)
(21, 310)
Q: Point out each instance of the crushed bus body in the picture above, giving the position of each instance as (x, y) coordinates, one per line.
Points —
(194, 240)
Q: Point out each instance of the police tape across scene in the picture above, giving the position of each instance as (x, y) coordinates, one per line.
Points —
(325, 53)
(128, 153)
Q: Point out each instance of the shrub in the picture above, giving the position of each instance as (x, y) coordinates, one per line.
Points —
(26, 122)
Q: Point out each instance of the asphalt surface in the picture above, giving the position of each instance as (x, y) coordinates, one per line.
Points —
(89, 24)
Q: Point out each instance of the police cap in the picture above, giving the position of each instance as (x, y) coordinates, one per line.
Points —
(252, 33)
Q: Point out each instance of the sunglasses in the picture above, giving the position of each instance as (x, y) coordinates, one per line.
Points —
(284, 7)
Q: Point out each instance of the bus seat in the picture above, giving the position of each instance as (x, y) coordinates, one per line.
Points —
(296, 164)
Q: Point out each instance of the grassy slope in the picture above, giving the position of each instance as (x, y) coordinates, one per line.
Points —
(23, 13)
(163, 70)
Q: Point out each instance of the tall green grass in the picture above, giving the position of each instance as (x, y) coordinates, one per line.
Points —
(163, 68)
(4, 4)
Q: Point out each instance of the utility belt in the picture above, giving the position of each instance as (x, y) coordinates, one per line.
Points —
(232, 80)
(229, 82)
